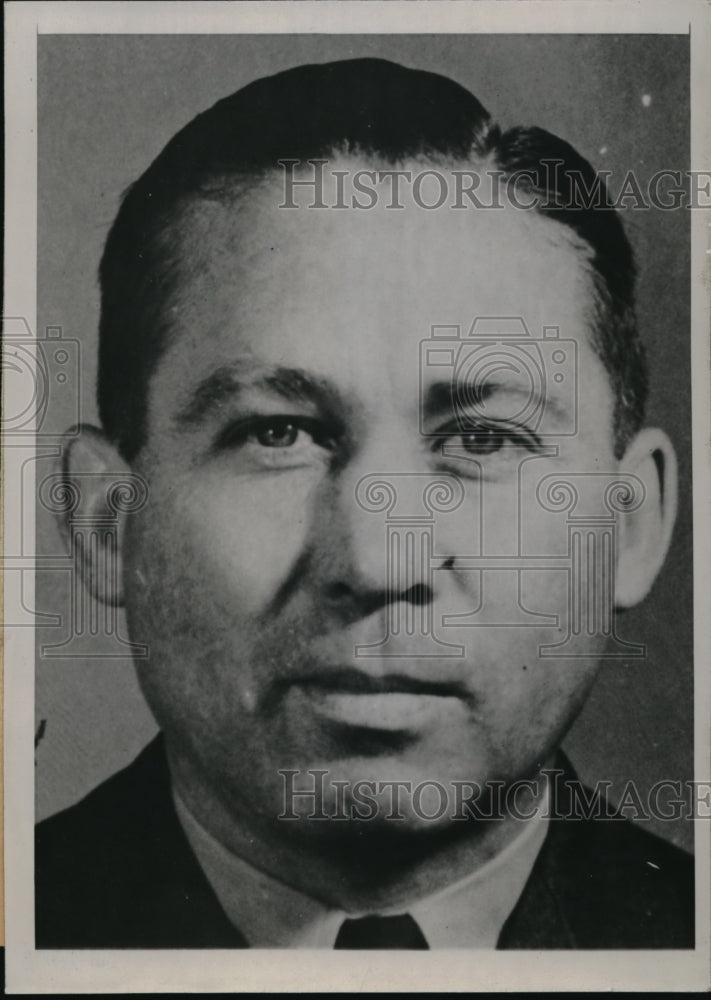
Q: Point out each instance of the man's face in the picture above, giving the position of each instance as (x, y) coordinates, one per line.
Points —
(294, 370)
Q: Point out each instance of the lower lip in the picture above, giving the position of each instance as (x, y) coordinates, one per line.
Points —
(390, 711)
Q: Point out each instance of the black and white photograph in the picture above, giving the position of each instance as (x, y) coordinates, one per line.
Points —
(356, 484)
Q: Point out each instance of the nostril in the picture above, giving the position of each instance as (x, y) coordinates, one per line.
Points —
(418, 594)
(339, 591)
(354, 602)
(369, 600)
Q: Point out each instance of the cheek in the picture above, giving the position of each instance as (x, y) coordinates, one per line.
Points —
(525, 700)
(530, 706)
(224, 545)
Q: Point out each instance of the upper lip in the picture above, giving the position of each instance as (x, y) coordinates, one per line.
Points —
(352, 681)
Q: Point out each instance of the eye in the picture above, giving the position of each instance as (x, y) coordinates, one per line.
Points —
(277, 441)
(278, 433)
(484, 438)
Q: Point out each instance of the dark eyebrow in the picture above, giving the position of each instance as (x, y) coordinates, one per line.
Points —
(442, 397)
(292, 384)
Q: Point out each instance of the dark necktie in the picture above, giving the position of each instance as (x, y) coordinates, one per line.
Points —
(380, 932)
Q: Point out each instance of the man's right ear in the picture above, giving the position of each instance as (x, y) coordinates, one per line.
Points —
(100, 489)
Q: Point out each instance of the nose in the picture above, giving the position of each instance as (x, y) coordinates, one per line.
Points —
(378, 539)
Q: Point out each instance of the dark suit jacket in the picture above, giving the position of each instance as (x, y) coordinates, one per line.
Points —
(116, 871)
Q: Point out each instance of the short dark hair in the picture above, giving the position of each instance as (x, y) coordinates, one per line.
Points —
(373, 108)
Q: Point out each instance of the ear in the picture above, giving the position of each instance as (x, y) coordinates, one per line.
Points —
(96, 481)
(644, 534)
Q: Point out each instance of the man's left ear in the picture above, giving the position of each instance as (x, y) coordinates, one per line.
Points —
(644, 534)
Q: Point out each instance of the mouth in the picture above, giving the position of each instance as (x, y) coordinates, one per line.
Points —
(393, 702)
(350, 681)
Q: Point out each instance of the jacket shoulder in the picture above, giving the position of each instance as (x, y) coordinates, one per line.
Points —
(115, 870)
(601, 881)
(638, 888)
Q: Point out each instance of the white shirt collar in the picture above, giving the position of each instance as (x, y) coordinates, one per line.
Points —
(469, 913)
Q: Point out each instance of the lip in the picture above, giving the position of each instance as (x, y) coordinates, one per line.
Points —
(350, 681)
(394, 711)
(385, 702)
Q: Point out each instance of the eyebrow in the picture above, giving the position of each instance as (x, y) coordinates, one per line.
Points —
(299, 386)
(229, 381)
(447, 395)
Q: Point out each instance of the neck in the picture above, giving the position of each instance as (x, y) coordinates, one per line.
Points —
(354, 866)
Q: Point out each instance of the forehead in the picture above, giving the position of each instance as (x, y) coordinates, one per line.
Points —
(353, 292)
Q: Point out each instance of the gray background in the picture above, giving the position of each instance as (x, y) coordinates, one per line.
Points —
(107, 105)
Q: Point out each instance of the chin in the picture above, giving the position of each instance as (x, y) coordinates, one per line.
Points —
(390, 839)
(412, 792)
